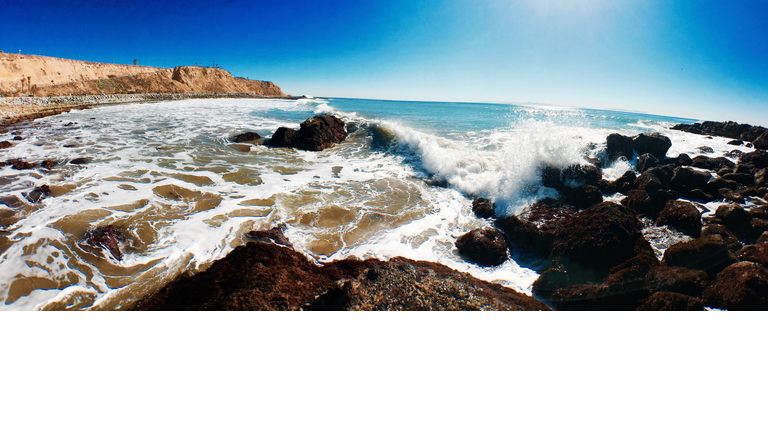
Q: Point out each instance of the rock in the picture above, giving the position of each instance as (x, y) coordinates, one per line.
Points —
(757, 253)
(582, 197)
(639, 201)
(706, 253)
(5, 144)
(485, 247)
(757, 159)
(666, 301)
(741, 178)
(654, 143)
(17, 138)
(736, 142)
(736, 219)
(264, 276)
(598, 238)
(687, 179)
(681, 215)
(107, 237)
(731, 241)
(761, 143)
(48, 164)
(38, 193)
(700, 195)
(319, 133)
(283, 137)
(273, 235)
(625, 183)
(80, 161)
(712, 164)
(650, 182)
(247, 137)
(728, 129)
(483, 208)
(741, 286)
(647, 161)
(681, 160)
(706, 149)
(677, 280)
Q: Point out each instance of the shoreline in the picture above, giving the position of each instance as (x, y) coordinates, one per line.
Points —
(15, 110)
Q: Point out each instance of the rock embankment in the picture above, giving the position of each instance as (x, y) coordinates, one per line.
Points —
(740, 133)
(270, 275)
(594, 254)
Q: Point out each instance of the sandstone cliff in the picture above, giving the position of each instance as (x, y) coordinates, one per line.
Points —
(48, 76)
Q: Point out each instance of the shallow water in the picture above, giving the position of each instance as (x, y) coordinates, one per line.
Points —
(169, 175)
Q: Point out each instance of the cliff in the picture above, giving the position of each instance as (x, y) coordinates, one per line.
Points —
(48, 76)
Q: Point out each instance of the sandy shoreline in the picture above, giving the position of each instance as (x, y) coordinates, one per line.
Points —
(17, 109)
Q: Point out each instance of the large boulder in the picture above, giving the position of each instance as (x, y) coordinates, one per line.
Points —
(485, 247)
(315, 134)
(761, 142)
(757, 159)
(707, 253)
(655, 144)
(741, 286)
(687, 179)
(737, 220)
(681, 215)
(598, 238)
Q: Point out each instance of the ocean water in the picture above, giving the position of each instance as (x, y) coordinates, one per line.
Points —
(170, 177)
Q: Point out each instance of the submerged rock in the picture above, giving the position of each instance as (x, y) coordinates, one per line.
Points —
(38, 193)
(483, 208)
(107, 237)
(247, 137)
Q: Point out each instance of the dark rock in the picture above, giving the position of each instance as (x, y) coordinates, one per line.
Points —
(761, 143)
(20, 164)
(650, 182)
(706, 149)
(736, 219)
(247, 137)
(107, 237)
(598, 238)
(753, 133)
(761, 178)
(263, 276)
(741, 286)
(571, 176)
(687, 179)
(283, 137)
(729, 129)
(679, 280)
(700, 195)
(731, 241)
(736, 142)
(744, 179)
(581, 197)
(706, 253)
(485, 247)
(730, 195)
(38, 193)
(526, 235)
(734, 154)
(273, 235)
(483, 208)
(654, 143)
(711, 163)
(48, 164)
(80, 161)
(681, 215)
(681, 160)
(625, 183)
(666, 301)
(763, 238)
(5, 144)
(757, 253)
(17, 138)
(757, 159)
(639, 201)
(646, 161)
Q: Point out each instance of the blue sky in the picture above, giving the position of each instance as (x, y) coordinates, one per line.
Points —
(698, 59)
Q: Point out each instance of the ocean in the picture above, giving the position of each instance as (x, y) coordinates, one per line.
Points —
(170, 177)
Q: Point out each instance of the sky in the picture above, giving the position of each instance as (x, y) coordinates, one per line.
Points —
(700, 59)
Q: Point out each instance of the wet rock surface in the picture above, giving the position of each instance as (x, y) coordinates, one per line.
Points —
(264, 276)
(318, 133)
(247, 137)
(107, 237)
(485, 247)
(741, 286)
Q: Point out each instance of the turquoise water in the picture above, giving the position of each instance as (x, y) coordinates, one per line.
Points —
(169, 176)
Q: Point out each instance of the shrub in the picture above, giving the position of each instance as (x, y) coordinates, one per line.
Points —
(111, 76)
(100, 85)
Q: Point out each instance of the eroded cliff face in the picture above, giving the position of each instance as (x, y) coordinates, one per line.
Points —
(48, 76)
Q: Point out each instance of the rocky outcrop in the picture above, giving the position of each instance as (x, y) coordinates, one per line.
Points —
(266, 276)
(728, 129)
(655, 144)
(485, 247)
(318, 133)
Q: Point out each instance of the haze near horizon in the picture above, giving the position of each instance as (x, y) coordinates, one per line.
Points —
(693, 59)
